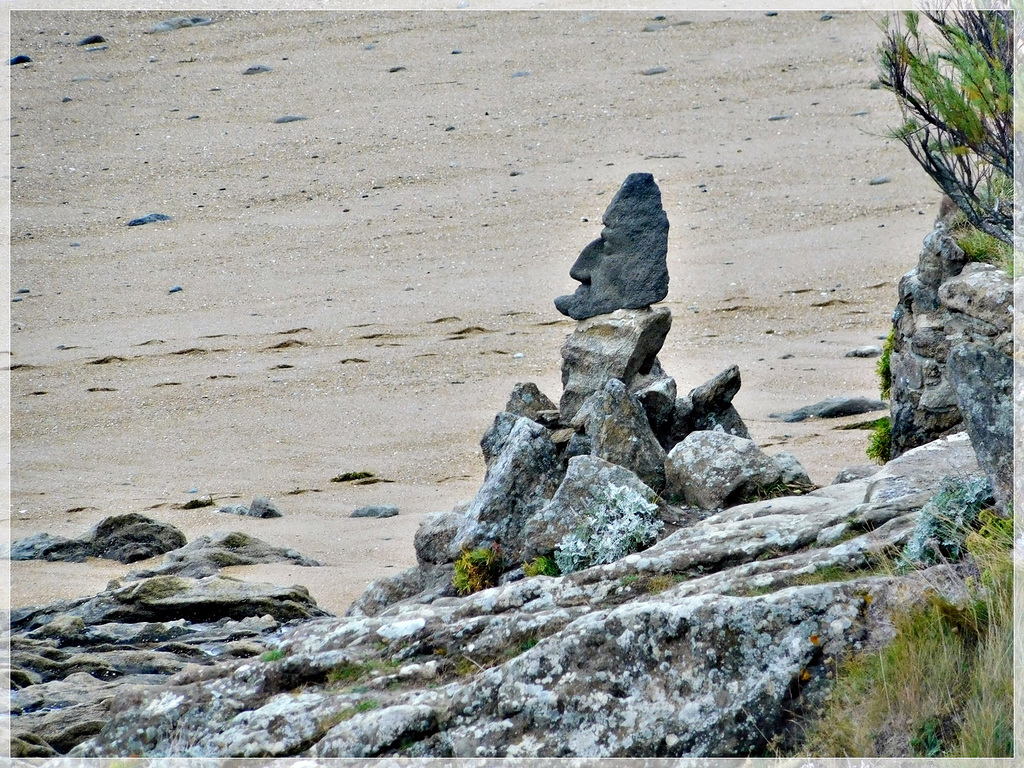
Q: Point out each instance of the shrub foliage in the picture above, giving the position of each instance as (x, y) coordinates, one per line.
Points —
(957, 104)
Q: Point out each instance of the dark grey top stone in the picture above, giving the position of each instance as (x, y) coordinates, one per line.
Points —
(625, 268)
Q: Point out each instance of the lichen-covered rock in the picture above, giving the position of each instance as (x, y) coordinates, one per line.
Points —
(519, 481)
(704, 644)
(943, 302)
(585, 478)
(170, 598)
(620, 432)
(982, 378)
(715, 469)
(620, 345)
(527, 400)
(434, 537)
(793, 473)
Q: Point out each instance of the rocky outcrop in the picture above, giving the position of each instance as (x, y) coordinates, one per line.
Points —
(625, 268)
(708, 643)
(982, 380)
(70, 661)
(943, 302)
(125, 538)
(208, 554)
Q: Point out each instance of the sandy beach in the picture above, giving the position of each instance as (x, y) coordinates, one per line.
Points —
(360, 289)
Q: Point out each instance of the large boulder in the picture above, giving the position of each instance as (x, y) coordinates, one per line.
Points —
(586, 483)
(520, 478)
(625, 268)
(125, 538)
(132, 537)
(943, 302)
(982, 378)
(620, 432)
(714, 469)
(621, 345)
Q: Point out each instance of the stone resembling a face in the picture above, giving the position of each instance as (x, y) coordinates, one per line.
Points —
(625, 268)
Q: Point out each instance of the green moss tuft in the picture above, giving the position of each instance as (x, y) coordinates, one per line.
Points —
(542, 566)
(880, 443)
(883, 367)
(478, 569)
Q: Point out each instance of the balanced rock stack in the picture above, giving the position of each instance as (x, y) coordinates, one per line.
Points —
(619, 423)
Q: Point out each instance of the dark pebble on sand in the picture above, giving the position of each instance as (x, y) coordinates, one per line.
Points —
(879, 180)
(456, 52)
(176, 289)
(291, 119)
(23, 290)
(450, 128)
(826, 17)
(396, 69)
(256, 69)
(149, 218)
(92, 40)
(771, 13)
(776, 118)
(20, 59)
(65, 100)
(654, 71)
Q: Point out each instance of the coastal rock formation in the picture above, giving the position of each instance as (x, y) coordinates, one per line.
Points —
(982, 380)
(708, 643)
(943, 302)
(71, 661)
(125, 538)
(206, 555)
(625, 268)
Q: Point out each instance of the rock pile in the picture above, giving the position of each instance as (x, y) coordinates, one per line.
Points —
(953, 310)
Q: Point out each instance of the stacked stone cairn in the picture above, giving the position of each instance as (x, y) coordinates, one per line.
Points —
(619, 422)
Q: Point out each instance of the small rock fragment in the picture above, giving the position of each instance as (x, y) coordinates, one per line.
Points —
(871, 350)
(379, 510)
(149, 218)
